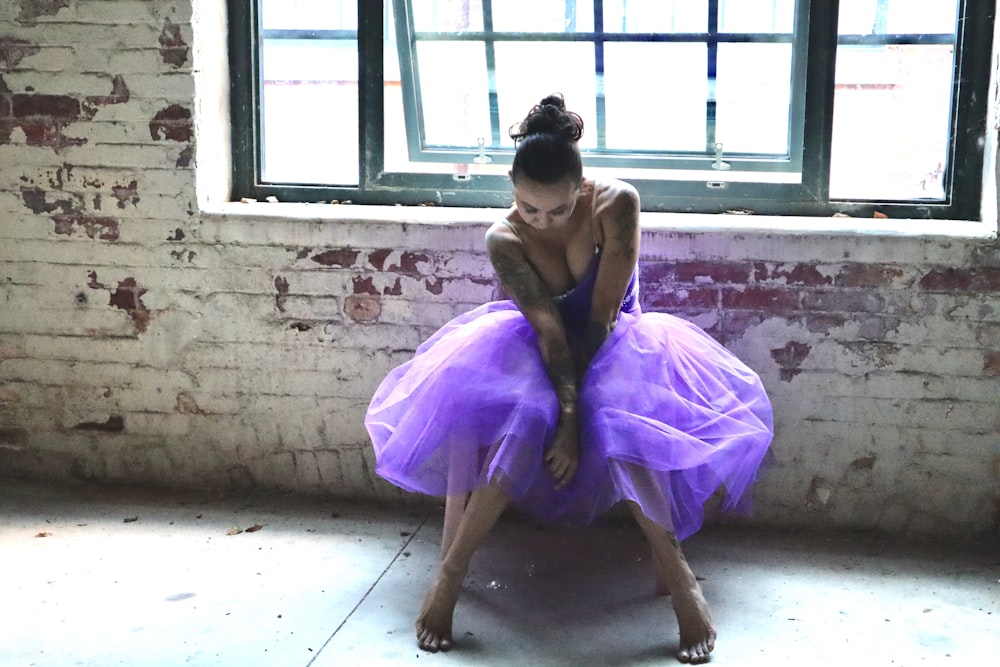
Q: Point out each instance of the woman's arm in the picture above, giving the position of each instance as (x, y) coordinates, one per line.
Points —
(524, 285)
(616, 212)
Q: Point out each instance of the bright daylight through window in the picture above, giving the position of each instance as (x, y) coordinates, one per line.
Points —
(770, 106)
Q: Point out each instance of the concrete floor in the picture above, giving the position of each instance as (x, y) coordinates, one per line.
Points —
(122, 576)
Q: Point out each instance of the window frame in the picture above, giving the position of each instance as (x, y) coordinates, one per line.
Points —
(963, 179)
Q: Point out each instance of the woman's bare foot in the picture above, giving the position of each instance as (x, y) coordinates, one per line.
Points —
(674, 577)
(434, 621)
(695, 623)
(485, 506)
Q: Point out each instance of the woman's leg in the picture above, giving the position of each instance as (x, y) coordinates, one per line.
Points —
(434, 622)
(672, 570)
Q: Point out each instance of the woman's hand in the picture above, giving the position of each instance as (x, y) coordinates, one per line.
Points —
(563, 457)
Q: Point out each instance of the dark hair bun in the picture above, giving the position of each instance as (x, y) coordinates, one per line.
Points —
(549, 117)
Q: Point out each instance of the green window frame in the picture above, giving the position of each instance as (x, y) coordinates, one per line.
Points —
(814, 41)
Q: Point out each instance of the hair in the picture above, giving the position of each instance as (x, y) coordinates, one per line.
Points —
(547, 150)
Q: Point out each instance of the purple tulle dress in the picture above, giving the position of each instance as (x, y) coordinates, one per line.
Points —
(667, 415)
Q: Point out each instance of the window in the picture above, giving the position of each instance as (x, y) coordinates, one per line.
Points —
(806, 107)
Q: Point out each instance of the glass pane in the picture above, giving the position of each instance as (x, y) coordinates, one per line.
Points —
(879, 17)
(528, 71)
(753, 94)
(891, 119)
(543, 16)
(669, 116)
(767, 16)
(309, 14)
(656, 16)
(447, 15)
(310, 111)
(454, 115)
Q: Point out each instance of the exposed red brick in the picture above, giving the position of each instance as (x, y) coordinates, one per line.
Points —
(800, 274)
(25, 105)
(991, 362)
(92, 282)
(115, 424)
(126, 194)
(867, 275)
(789, 358)
(434, 287)
(12, 51)
(652, 273)
(41, 133)
(105, 229)
(822, 322)
(35, 200)
(340, 257)
(128, 297)
(408, 264)
(172, 123)
(173, 49)
(364, 285)
(184, 159)
(986, 280)
(395, 290)
(377, 257)
(281, 285)
(947, 280)
(716, 272)
(363, 308)
(660, 297)
(768, 299)
(735, 324)
(32, 9)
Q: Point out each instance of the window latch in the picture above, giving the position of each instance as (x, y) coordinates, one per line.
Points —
(719, 164)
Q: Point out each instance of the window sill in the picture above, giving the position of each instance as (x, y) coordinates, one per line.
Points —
(767, 225)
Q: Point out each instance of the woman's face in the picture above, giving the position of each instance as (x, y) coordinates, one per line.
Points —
(545, 205)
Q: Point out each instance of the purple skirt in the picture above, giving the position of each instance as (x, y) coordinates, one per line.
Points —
(667, 417)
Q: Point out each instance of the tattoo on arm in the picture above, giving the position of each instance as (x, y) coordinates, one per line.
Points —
(623, 230)
(520, 281)
(531, 297)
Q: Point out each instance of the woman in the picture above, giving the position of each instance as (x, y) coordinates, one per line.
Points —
(567, 399)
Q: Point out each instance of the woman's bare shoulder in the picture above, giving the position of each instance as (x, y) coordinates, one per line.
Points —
(501, 236)
(614, 193)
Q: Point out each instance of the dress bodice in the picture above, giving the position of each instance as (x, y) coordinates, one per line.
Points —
(574, 304)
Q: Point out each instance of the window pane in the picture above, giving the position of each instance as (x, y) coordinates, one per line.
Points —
(892, 107)
(454, 115)
(543, 16)
(880, 17)
(528, 71)
(309, 14)
(656, 16)
(447, 15)
(669, 116)
(309, 111)
(767, 16)
(753, 94)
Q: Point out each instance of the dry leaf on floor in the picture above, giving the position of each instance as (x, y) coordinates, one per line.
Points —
(235, 530)
(44, 534)
(254, 528)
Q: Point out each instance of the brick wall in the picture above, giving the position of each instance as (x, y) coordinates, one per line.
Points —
(150, 334)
